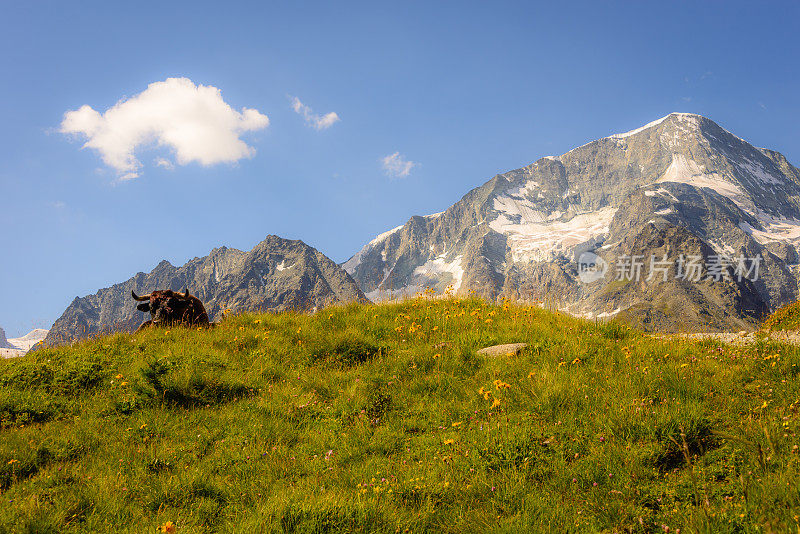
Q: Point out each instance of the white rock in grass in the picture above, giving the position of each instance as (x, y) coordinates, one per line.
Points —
(509, 349)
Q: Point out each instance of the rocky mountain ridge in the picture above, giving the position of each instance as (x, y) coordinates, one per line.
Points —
(277, 274)
(681, 185)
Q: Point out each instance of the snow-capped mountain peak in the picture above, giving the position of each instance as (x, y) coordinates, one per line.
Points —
(530, 224)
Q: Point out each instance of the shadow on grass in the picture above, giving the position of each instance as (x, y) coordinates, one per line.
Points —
(207, 500)
(299, 518)
(13, 470)
(163, 383)
(682, 440)
(346, 350)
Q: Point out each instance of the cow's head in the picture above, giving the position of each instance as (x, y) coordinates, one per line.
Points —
(165, 306)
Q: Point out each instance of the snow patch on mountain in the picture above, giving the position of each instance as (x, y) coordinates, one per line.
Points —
(637, 130)
(29, 340)
(661, 192)
(757, 171)
(433, 269)
(432, 273)
(535, 236)
(687, 171)
(351, 264)
(689, 119)
(775, 229)
(20, 345)
(721, 248)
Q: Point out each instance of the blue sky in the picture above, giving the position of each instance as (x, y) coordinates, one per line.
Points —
(460, 91)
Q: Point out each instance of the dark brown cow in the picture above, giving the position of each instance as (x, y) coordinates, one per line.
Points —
(168, 308)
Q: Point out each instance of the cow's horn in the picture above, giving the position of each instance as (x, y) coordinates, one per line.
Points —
(137, 297)
(186, 293)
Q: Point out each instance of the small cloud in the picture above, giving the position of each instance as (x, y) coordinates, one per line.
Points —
(190, 119)
(706, 74)
(686, 98)
(318, 122)
(761, 105)
(397, 166)
(58, 204)
(165, 163)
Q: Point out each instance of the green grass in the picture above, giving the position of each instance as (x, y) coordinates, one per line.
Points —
(384, 419)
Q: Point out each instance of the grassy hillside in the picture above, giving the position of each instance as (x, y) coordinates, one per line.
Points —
(785, 318)
(384, 419)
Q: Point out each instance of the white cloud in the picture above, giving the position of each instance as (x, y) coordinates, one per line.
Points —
(318, 122)
(397, 166)
(165, 163)
(191, 120)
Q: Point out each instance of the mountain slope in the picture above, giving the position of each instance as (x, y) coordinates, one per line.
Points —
(14, 347)
(30, 339)
(520, 234)
(277, 274)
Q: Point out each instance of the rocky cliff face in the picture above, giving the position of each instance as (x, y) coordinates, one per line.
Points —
(681, 186)
(277, 274)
